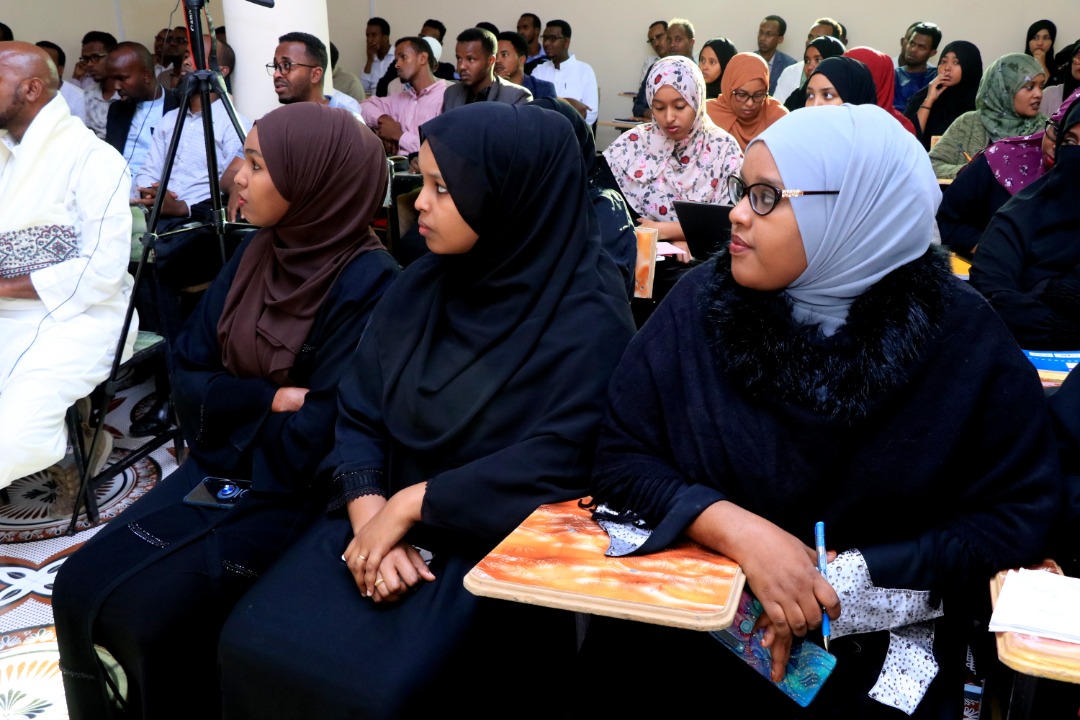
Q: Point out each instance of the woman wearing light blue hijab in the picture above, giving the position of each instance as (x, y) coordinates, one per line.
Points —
(829, 367)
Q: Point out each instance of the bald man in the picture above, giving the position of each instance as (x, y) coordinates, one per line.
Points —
(134, 118)
(65, 238)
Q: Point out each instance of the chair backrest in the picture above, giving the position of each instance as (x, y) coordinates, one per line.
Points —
(389, 199)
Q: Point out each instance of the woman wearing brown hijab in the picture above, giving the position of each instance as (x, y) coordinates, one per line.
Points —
(257, 369)
(744, 107)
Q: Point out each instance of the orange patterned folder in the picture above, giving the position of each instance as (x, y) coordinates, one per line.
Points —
(556, 559)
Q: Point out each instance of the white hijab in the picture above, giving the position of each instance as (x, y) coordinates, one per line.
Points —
(882, 218)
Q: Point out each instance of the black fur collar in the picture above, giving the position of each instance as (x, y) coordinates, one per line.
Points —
(773, 357)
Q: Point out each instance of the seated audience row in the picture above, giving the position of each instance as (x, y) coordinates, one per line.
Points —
(260, 363)
(1028, 260)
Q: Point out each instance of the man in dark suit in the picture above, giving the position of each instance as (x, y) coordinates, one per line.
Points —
(770, 36)
(142, 102)
(510, 65)
(475, 51)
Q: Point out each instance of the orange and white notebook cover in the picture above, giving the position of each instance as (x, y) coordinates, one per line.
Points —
(556, 559)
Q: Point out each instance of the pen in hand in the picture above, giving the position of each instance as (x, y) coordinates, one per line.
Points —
(822, 560)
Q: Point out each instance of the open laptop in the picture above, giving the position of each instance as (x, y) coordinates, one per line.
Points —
(706, 226)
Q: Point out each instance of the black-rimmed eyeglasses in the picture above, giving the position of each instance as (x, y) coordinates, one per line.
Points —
(764, 197)
(1052, 130)
(284, 67)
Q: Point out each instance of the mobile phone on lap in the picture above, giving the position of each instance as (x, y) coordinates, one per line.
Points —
(807, 669)
(217, 492)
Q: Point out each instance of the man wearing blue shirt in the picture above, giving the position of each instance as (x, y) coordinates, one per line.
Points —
(915, 73)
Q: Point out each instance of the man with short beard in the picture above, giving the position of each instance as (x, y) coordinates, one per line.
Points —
(66, 229)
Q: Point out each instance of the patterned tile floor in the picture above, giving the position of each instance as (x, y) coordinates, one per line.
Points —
(32, 548)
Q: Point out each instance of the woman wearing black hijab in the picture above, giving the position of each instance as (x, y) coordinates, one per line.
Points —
(1039, 44)
(1028, 262)
(713, 60)
(951, 94)
(1053, 96)
(821, 48)
(617, 236)
(257, 370)
(840, 80)
(474, 397)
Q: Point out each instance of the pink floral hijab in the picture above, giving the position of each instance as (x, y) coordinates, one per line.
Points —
(654, 171)
(1018, 161)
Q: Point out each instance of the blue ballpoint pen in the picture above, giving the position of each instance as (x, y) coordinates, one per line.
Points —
(822, 560)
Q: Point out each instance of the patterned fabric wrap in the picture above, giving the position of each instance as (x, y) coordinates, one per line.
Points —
(1017, 161)
(1000, 83)
(654, 171)
(907, 614)
(24, 251)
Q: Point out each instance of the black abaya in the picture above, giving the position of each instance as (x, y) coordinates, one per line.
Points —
(155, 585)
(483, 375)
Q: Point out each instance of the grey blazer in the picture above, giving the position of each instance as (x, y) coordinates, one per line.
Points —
(500, 91)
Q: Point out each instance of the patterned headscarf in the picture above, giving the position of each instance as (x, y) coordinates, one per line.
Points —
(1018, 161)
(653, 171)
(1000, 83)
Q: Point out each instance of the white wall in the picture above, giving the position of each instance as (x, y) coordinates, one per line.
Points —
(608, 34)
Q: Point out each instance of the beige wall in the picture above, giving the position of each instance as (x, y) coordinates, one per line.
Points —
(609, 35)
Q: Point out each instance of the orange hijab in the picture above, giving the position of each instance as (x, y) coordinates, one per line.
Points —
(741, 69)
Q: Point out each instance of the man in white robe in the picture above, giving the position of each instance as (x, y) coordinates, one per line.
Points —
(65, 237)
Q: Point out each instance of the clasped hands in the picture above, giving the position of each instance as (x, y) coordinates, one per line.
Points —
(383, 565)
(171, 206)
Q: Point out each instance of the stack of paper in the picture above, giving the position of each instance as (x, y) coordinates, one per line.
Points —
(1040, 603)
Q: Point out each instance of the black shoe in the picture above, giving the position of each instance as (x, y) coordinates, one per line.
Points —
(158, 419)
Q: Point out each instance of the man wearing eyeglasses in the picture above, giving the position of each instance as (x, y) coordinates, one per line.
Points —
(300, 63)
(678, 39)
(770, 36)
(574, 81)
(98, 93)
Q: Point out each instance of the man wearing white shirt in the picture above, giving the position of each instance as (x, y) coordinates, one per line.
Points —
(72, 94)
(189, 182)
(379, 57)
(63, 282)
(574, 81)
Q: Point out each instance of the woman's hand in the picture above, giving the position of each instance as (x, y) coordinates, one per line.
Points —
(400, 570)
(780, 569)
(933, 93)
(288, 399)
(369, 554)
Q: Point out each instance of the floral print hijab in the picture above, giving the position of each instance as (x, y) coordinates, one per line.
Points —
(653, 171)
(1017, 161)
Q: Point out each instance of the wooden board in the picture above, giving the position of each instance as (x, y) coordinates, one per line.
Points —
(556, 559)
(1034, 655)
